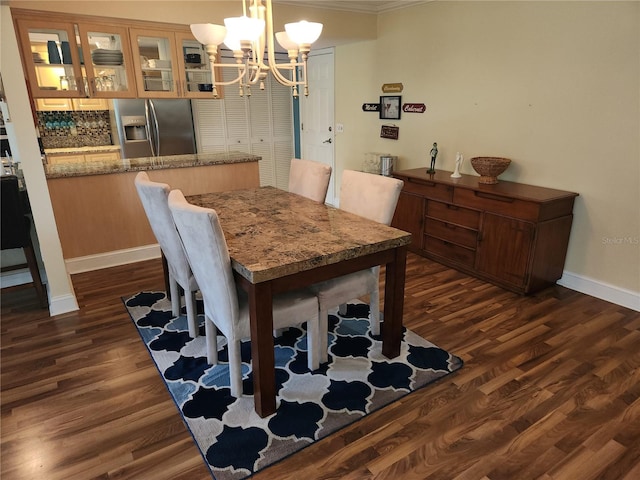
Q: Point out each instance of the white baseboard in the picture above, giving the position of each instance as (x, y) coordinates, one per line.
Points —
(112, 259)
(601, 290)
(62, 304)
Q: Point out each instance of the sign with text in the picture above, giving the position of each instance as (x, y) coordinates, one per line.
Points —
(370, 107)
(414, 107)
(392, 88)
(389, 131)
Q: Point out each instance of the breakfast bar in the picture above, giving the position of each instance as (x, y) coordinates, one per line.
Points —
(97, 208)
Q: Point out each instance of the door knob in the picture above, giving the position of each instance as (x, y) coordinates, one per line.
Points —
(327, 141)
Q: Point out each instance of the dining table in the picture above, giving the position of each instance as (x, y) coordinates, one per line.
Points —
(279, 241)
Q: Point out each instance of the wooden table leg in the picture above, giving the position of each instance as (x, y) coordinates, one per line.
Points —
(394, 303)
(262, 354)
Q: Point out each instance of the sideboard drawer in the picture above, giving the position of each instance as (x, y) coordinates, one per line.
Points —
(449, 250)
(431, 190)
(452, 233)
(491, 202)
(453, 214)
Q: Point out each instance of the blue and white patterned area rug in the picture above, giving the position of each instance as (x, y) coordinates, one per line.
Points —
(234, 441)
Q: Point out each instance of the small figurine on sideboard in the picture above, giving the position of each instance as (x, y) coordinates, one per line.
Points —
(459, 160)
(434, 154)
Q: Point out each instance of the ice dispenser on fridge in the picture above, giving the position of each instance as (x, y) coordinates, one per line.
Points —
(135, 128)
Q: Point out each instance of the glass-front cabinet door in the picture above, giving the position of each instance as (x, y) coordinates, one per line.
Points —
(51, 58)
(107, 62)
(154, 58)
(195, 71)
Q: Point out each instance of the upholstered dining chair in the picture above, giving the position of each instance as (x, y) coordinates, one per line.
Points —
(154, 198)
(374, 197)
(309, 179)
(226, 305)
(16, 231)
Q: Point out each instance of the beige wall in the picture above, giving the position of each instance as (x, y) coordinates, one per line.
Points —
(552, 85)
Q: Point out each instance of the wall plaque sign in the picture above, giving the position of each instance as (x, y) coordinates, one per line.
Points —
(389, 131)
(370, 107)
(414, 107)
(392, 88)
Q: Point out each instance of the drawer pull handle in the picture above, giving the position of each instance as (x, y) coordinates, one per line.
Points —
(489, 196)
(452, 207)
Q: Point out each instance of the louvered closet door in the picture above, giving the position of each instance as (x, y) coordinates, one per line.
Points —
(282, 134)
(261, 124)
(236, 115)
(208, 119)
(260, 127)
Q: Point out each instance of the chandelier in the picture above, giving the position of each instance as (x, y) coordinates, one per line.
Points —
(249, 37)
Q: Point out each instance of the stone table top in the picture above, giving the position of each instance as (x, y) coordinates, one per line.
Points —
(146, 163)
(271, 233)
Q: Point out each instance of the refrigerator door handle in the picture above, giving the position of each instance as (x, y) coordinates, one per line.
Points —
(147, 118)
(157, 128)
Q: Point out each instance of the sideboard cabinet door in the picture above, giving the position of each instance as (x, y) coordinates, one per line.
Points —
(504, 249)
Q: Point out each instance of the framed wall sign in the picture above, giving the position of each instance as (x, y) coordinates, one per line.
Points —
(389, 131)
(390, 107)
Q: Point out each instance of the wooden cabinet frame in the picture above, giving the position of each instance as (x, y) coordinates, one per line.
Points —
(129, 30)
(127, 64)
(23, 25)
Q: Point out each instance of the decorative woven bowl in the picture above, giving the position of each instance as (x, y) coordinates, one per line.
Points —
(489, 168)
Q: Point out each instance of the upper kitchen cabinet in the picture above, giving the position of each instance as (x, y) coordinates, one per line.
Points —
(51, 58)
(156, 63)
(195, 69)
(108, 64)
(170, 65)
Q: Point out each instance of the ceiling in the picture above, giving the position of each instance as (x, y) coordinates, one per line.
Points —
(365, 6)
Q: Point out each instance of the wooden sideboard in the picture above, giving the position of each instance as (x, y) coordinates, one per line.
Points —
(510, 234)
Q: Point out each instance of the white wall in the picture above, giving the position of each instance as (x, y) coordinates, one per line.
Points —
(552, 85)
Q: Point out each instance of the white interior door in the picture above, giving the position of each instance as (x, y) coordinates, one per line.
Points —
(317, 114)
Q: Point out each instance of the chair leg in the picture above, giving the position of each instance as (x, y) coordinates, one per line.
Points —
(374, 311)
(32, 263)
(211, 334)
(192, 316)
(313, 343)
(235, 367)
(175, 296)
(323, 334)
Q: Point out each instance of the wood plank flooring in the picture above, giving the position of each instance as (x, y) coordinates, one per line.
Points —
(550, 390)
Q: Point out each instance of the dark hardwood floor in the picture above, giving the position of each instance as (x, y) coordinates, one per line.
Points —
(550, 390)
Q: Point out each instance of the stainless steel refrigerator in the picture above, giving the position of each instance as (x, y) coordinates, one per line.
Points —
(153, 127)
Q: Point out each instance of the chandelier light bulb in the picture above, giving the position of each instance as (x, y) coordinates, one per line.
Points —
(303, 32)
(285, 42)
(245, 28)
(208, 33)
(232, 43)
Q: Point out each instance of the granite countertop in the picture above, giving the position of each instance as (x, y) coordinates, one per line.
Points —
(80, 150)
(146, 163)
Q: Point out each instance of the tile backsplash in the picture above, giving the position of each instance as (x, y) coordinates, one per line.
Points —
(62, 129)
